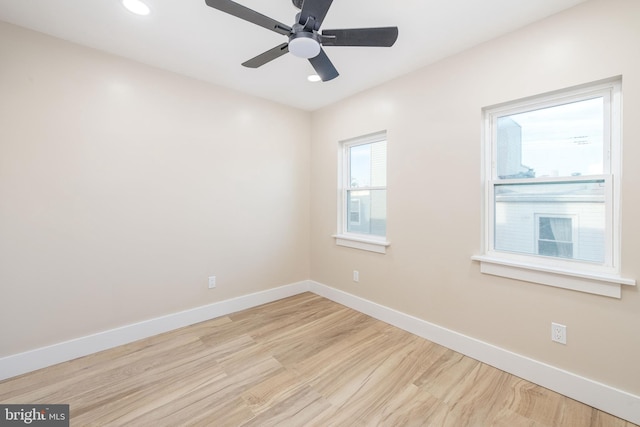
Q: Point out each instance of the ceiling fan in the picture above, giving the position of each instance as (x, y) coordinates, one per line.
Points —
(305, 40)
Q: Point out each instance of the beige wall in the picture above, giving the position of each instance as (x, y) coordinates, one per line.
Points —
(433, 119)
(123, 187)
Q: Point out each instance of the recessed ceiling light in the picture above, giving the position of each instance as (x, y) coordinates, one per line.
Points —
(314, 78)
(137, 7)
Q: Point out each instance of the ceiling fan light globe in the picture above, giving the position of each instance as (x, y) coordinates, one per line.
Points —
(304, 47)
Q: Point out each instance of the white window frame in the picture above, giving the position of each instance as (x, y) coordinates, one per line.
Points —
(367, 242)
(602, 279)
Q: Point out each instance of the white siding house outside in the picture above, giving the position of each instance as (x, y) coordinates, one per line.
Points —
(518, 224)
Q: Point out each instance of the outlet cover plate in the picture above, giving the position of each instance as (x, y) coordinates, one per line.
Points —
(558, 333)
(212, 282)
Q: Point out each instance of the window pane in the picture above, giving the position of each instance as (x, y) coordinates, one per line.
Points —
(367, 212)
(564, 220)
(555, 237)
(354, 211)
(564, 140)
(545, 229)
(555, 229)
(368, 165)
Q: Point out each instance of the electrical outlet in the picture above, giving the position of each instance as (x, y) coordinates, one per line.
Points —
(212, 282)
(356, 276)
(558, 333)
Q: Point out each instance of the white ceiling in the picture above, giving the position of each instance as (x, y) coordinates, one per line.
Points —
(192, 39)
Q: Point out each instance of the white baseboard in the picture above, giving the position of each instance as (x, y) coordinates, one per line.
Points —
(608, 399)
(17, 364)
(601, 396)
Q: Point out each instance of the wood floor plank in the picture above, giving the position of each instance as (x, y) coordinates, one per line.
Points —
(301, 361)
(482, 384)
(299, 409)
(260, 397)
(412, 406)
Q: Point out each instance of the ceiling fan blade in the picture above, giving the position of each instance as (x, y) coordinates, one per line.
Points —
(374, 37)
(242, 12)
(324, 67)
(316, 9)
(267, 56)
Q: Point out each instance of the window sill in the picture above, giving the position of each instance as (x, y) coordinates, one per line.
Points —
(594, 283)
(363, 243)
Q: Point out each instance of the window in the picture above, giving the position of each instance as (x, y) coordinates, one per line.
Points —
(551, 191)
(362, 204)
(555, 236)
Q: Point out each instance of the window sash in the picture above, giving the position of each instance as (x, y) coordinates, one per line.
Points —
(608, 117)
(608, 265)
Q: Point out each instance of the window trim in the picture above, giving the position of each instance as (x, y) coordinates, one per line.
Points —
(578, 275)
(367, 242)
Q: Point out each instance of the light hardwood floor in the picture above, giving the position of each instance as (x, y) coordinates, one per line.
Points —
(302, 361)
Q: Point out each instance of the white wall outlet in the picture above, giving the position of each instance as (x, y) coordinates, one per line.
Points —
(356, 276)
(212, 282)
(558, 333)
